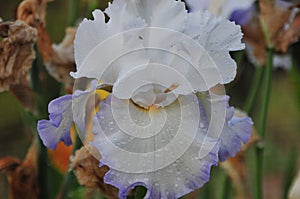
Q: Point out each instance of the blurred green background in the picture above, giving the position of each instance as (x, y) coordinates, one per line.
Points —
(283, 134)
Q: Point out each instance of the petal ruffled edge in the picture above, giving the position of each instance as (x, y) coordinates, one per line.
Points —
(58, 127)
(61, 117)
(237, 130)
(188, 171)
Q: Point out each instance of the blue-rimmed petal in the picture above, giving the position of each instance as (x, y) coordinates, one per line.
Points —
(236, 131)
(63, 111)
(119, 148)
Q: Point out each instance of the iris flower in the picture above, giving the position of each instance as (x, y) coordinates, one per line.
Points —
(161, 126)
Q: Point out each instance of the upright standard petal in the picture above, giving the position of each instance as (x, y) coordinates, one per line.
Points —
(92, 33)
(219, 37)
(63, 111)
(169, 14)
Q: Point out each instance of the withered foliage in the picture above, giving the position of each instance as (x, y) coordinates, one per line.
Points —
(63, 61)
(22, 176)
(59, 59)
(280, 20)
(33, 12)
(89, 174)
(16, 52)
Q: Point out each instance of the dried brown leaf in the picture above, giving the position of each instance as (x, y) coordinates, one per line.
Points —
(255, 38)
(290, 34)
(22, 176)
(16, 52)
(88, 172)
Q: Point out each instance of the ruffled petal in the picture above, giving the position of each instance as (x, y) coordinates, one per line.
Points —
(93, 33)
(158, 149)
(58, 127)
(63, 111)
(157, 13)
(236, 130)
(206, 29)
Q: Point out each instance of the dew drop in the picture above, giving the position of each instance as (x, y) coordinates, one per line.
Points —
(202, 125)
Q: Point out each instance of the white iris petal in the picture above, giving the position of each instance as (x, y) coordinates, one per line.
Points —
(169, 152)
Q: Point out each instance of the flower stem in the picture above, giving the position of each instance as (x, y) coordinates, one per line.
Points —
(73, 12)
(261, 125)
(253, 90)
(43, 160)
(226, 188)
(41, 150)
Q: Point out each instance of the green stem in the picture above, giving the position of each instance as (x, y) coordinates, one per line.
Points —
(261, 125)
(253, 90)
(266, 94)
(41, 150)
(70, 181)
(73, 12)
(43, 161)
(226, 188)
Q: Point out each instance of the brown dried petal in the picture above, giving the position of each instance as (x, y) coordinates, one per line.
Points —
(22, 176)
(289, 35)
(282, 28)
(16, 52)
(33, 12)
(89, 174)
(58, 59)
(255, 38)
(62, 63)
(274, 14)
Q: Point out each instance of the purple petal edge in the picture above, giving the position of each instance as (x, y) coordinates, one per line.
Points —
(49, 130)
(236, 131)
